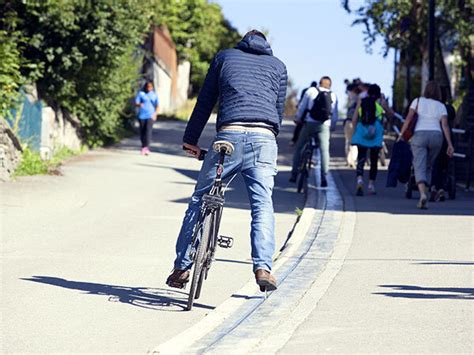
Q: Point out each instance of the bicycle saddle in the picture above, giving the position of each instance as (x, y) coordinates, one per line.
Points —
(218, 145)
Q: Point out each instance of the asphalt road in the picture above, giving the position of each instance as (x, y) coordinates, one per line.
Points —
(406, 284)
(85, 255)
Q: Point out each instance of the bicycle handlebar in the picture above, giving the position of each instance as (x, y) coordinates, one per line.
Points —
(202, 154)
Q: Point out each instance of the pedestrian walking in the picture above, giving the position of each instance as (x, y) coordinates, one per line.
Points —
(427, 140)
(353, 92)
(250, 85)
(148, 108)
(315, 112)
(368, 135)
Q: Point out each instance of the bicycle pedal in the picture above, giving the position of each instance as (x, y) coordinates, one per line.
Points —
(225, 242)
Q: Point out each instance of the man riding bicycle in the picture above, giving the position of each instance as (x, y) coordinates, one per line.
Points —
(250, 84)
(316, 111)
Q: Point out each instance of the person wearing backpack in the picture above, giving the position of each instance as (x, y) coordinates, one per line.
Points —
(315, 111)
(368, 134)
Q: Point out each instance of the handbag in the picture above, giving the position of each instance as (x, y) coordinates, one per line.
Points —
(410, 130)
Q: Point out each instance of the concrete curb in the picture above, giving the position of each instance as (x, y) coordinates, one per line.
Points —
(282, 333)
(246, 300)
(270, 326)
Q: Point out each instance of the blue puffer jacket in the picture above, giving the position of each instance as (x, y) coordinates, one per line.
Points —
(250, 84)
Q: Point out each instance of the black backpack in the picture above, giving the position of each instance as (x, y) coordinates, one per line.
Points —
(368, 115)
(322, 106)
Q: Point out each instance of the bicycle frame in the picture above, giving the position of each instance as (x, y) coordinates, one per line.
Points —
(212, 203)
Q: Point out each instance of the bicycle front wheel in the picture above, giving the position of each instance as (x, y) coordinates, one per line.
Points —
(200, 259)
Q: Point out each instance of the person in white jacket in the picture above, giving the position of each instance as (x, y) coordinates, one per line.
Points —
(314, 127)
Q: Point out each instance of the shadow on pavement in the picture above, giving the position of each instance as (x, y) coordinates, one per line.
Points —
(285, 197)
(428, 292)
(234, 261)
(151, 298)
(167, 140)
(462, 263)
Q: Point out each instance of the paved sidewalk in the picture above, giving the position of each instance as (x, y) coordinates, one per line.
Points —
(407, 282)
(85, 255)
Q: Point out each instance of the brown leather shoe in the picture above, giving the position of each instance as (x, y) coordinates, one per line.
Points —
(265, 280)
(178, 278)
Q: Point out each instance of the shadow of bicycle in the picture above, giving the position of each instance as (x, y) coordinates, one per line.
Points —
(144, 297)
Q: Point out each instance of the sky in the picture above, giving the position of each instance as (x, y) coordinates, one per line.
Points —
(314, 38)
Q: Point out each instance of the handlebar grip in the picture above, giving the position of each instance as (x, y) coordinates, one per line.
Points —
(202, 154)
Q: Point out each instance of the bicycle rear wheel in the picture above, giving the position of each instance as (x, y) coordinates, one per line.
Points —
(200, 259)
(302, 180)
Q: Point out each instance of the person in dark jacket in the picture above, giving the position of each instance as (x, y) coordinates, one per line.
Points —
(440, 168)
(399, 169)
(250, 84)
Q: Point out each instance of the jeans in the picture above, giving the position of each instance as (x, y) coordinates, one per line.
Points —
(255, 157)
(362, 157)
(146, 127)
(425, 146)
(322, 132)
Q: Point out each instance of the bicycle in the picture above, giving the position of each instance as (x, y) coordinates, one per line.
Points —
(205, 236)
(306, 165)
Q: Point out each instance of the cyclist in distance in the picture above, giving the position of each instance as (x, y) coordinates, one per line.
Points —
(250, 85)
(315, 112)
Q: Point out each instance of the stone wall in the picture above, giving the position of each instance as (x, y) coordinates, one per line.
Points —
(58, 130)
(10, 151)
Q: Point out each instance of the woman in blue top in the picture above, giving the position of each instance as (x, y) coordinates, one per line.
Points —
(368, 134)
(148, 104)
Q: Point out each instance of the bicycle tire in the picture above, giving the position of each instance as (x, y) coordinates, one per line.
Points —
(302, 180)
(199, 284)
(199, 259)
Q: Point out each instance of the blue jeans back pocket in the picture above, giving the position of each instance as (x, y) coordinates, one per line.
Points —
(265, 153)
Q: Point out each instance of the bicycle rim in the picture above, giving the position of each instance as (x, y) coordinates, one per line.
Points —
(199, 260)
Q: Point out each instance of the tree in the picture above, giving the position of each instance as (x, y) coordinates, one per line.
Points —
(403, 24)
(84, 55)
(198, 29)
(81, 55)
(291, 100)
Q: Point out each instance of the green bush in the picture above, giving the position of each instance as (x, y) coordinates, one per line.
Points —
(85, 56)
(32, 164)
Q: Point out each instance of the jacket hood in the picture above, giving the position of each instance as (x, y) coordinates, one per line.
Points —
(254, 44)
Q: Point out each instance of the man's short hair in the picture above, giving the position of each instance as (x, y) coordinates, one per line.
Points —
(325, 78)
(314, 84)
(255, 33)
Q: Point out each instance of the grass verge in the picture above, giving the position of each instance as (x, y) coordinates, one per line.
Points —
(32, 164)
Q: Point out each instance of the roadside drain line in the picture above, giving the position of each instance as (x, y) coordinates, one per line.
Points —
(251, 334)
(231, 313)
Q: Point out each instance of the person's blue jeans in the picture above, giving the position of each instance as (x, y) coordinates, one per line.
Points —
(255, 157)
(309, 130)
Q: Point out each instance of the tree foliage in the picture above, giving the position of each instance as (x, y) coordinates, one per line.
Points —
(84, 55)
(402, 23)
(199, 30)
